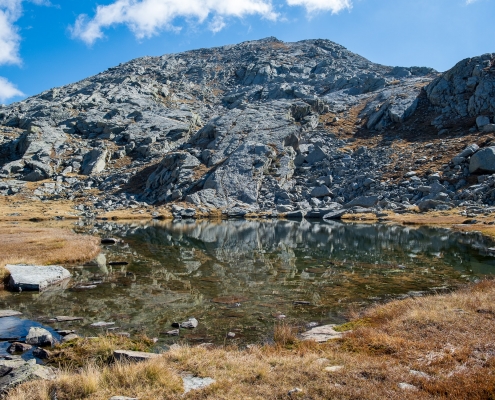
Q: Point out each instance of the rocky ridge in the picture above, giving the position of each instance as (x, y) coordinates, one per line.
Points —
(301, 129)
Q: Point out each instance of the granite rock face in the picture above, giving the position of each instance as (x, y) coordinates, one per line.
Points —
(259, 126)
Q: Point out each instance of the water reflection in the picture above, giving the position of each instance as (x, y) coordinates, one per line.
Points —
(242, 276)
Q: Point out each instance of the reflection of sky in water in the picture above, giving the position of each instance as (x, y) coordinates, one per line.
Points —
(176, 269)
(14, 327)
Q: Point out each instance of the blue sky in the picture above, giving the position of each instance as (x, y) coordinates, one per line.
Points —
(49, 43)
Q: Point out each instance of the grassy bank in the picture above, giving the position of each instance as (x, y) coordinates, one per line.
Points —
(420, 348)
(39, 245)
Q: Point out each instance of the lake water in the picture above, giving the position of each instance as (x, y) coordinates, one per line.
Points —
(244, 276)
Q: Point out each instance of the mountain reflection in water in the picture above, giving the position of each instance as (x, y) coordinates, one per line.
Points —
(243, 276)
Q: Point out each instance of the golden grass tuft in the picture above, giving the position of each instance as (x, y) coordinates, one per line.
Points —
(441, 344)
(37, 245)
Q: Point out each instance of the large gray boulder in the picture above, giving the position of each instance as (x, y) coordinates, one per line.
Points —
(39, 337)
(362, 201)
(468, 151)
(94, 162)
(481, 121)
(483, 160)
(35, 277)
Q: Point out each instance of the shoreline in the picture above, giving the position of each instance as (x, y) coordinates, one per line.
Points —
(414, 348)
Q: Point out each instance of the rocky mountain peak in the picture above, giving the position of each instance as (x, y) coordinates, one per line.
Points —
(258, 126)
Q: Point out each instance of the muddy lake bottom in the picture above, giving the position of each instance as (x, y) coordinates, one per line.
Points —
(244, 277)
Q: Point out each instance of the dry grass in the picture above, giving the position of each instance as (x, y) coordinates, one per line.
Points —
(443, 345)
(20, 208)
(38, 245)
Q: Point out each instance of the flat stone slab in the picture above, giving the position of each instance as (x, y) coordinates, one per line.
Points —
(62, 318)
(35, 277)
(335, 214)
(128, 355)
(9, 313)
(102, 324)
(321, 334)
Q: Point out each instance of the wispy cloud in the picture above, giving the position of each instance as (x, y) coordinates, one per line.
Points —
(471, 1)
(10, 11)
(312, 6)
(147, 17)
(8, 90)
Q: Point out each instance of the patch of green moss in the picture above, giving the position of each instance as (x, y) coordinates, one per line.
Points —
(351, 325)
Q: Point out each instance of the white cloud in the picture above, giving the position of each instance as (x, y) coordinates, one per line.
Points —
(8, 90)
(10, 11)
(323, 5)
(147, 17)
(471, 1)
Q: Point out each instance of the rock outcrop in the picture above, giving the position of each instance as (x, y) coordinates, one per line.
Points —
(259, 126)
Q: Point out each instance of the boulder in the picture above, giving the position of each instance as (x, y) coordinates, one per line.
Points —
(42, 354)
(468, 151)
(17, 347)
(481, 121)
(321, 191)
(17, 372)
(335, 214)
(489, 128)
(483, 160)
(430, 204)
(363, 201)
(315, 156)
(35, 277)
(39, 337)
(94, 162)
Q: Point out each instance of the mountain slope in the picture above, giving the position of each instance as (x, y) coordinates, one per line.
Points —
(259, 126)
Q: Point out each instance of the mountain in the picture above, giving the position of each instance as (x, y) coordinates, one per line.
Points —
(262, 126)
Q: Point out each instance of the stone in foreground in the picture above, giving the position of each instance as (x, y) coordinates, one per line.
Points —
(321, 334)
(35, 277)
(128, 355)
(39, 337)
(19, 371)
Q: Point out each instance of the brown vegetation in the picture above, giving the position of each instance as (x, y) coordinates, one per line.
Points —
(39, 245)
(442, 346)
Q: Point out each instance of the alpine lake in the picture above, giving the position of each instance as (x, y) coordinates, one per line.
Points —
(243, 277)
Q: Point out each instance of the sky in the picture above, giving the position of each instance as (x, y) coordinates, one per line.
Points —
(50, 43)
